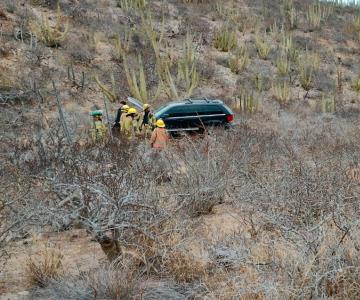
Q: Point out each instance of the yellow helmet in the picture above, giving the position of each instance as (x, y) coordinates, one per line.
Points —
(160, 123)
(125, 107)
(132, 111)
(146, 106)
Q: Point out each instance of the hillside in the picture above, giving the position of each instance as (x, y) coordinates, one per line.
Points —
(266, 210)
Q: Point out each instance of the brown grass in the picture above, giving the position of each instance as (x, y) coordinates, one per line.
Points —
(185, 267)
(44, 267)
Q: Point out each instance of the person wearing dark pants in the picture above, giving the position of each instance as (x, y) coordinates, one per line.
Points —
(116, 126)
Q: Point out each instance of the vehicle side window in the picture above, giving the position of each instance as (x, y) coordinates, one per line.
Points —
(194, 110)
(179, 111)
(208, 109)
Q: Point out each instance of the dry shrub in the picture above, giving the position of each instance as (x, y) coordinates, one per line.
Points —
(185, 267)
(115, 282)
(80, 51)
(292, 183)
(196, 1)
(3, 15)
(206, 69)
(43, 268)
(345, 284)
(353, 173)
(109, 282)
(204, 175)
(170, 290)
(6, 83)
(45, 3)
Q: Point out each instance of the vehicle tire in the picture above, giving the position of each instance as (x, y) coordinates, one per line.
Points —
(201, 130)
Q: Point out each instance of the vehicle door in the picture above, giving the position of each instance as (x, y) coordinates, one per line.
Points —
(176, 117)
(191, 116)
(210, 114)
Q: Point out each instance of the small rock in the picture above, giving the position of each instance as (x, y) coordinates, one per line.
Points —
(23, 293)
(28, 156)
(173, 28)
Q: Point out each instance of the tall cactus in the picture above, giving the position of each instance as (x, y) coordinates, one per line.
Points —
(262, 45)
(132, 4)
(136, 83)
(109, 93)
(187, 70)
(135, 76)
(123, 45)
(51, 36)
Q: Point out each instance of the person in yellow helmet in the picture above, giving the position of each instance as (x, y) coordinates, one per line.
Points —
(130, 123)
(121, 111)
(124, 109)
(118, 115)
(147, 120)
(159, 138)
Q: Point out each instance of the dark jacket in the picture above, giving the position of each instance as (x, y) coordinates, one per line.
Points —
(117, 119)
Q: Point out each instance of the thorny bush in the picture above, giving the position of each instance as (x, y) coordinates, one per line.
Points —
(292, 187)
(115, 190)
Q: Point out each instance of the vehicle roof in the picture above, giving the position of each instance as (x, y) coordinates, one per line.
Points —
(188, 104)
(194, 101)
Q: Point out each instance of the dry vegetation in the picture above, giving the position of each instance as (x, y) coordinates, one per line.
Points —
(44, 268)
(267, 210)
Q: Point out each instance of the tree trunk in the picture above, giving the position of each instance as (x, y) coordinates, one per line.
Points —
(111, 247)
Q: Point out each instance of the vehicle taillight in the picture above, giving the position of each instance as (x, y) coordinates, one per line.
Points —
(230, 118)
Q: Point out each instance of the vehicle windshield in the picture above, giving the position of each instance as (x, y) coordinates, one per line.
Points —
(160, 110)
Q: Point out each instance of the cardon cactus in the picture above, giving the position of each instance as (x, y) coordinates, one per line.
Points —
(51, 36)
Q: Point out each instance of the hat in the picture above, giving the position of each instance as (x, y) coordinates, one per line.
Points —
(160, 123)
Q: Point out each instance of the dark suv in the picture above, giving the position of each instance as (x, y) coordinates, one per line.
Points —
(194, 115)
